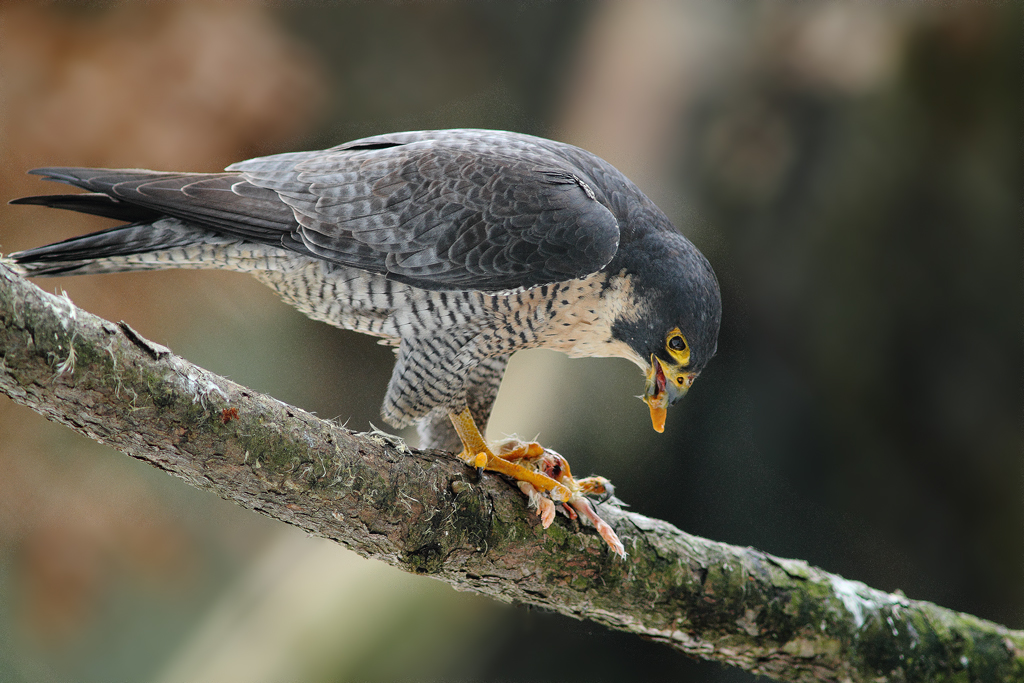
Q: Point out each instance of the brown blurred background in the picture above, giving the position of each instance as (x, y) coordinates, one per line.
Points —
(852, 170)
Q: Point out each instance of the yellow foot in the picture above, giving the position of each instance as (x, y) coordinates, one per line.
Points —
(485, 459)
(542, 474)
(476, 453)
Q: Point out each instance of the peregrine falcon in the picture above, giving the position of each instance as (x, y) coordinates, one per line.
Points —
(458, 247)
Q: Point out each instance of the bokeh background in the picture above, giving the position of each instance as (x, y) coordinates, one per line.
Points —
(852, 170)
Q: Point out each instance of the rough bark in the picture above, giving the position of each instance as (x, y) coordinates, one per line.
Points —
(425, 512)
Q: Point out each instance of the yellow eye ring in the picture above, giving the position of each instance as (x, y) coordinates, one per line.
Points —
(677, 347)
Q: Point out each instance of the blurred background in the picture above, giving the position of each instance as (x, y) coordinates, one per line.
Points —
(851, 170)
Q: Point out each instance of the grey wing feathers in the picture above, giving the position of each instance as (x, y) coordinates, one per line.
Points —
(205, 198)
(439, 210)
(445, 209)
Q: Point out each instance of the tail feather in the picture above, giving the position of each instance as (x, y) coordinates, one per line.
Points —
(209, 199)
(167, 216)
(105, 251)
(94, 203)
(101, 179)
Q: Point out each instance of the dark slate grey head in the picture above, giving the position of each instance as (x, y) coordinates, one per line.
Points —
(679, 310)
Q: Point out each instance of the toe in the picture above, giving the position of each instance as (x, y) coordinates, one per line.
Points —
(546, 510)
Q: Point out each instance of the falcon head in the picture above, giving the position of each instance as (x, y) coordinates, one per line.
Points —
(673, 326)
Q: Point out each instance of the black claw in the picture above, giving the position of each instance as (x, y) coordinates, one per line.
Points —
(609, 493)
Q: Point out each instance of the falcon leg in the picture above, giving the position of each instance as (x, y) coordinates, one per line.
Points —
(476, 453)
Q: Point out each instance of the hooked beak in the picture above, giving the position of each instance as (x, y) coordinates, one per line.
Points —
(665, 385)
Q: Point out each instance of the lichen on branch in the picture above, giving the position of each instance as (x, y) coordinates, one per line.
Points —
(426, 512)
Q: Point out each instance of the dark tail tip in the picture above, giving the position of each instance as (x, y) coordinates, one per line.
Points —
(94, 203)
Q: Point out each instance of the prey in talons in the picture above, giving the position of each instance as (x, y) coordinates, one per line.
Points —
(548, 463)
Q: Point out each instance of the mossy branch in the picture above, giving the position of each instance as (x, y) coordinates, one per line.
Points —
(425, 512)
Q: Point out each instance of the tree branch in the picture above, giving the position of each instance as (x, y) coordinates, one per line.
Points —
(425, 512)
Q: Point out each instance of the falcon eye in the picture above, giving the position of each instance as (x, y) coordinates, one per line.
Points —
(678, 348)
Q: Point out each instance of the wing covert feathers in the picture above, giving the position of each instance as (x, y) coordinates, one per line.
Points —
(440, 210)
